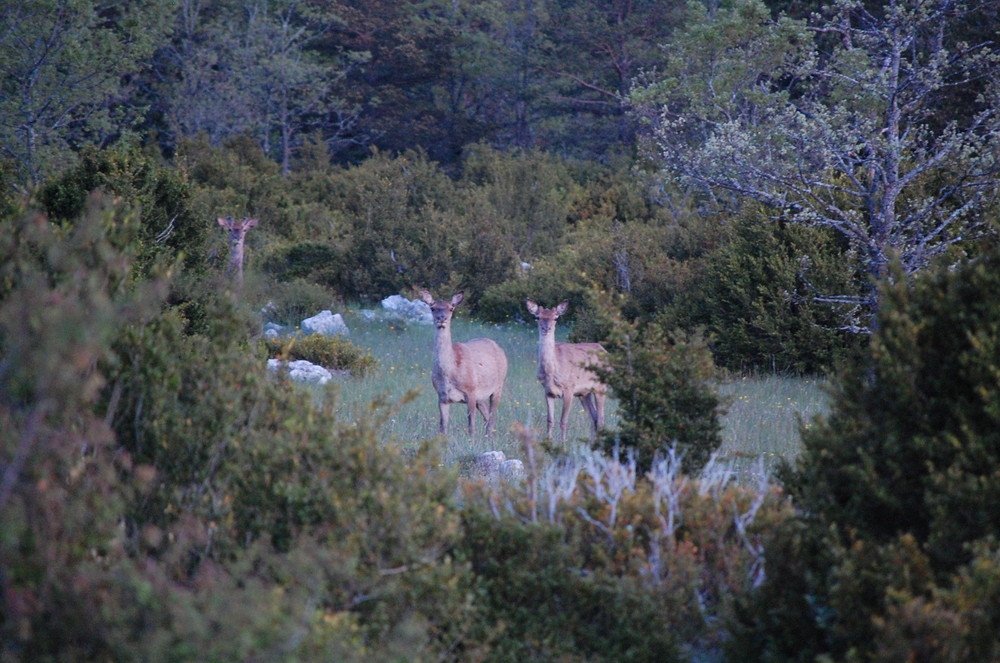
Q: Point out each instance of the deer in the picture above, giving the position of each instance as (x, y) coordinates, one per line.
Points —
(237, 235)
(472, 372)
(564, 369)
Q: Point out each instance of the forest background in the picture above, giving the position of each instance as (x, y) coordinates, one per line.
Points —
(780, 186)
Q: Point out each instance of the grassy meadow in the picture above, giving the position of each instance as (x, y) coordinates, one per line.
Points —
(761, 421)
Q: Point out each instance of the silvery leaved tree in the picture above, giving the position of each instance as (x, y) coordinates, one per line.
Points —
(875, 120)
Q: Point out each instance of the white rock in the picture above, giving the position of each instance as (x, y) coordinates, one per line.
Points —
(327, 323)
(512, 470)
(272, 330)
(301, 370)
(410, 311)
(488, 464)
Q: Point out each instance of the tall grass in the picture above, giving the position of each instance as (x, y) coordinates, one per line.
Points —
(764, 415)
(762, 418)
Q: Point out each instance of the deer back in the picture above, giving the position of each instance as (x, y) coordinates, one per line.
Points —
(480, 367)
(571, 369)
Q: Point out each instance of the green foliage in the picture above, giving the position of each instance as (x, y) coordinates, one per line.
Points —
(900, 481)
(234, 179)
(400, 225)
(665, 399)
(552, 606)
(530, 193)
(164, 498)
(756, 298)
(546, 282)
(620, 241)
(169, 225)
(65, 66)
(298, 263)
(333, 352)
(63, 293)
(290, 302)
(807, 120)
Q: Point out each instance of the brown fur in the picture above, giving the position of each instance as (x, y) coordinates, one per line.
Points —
(472, 372)
(563, 370)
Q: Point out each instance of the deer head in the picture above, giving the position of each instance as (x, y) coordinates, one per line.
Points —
(547, 316)
(442, 310)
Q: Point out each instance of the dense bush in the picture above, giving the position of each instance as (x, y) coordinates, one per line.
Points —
(288, 303)
(236, 179)
(530, 194)
(400, 225)
(756, 298)
(164, 499)
(547, 282)
(665, 396)
(898, 488)
(61, 495)
(170, 224)
(333, 352)
(590, 560)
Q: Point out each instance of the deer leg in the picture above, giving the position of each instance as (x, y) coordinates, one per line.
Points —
(590, 405)
(473, 406)
(443, 408)
(494, 404)
(599, 398)
(486, 409)
(550, 414)
(567, 406)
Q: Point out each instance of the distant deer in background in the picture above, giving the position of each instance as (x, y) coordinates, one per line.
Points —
(472, 372)
(563, 370)
(237, 235)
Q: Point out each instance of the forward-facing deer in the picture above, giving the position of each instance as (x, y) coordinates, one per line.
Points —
(563, 370)
(472, 372)
(237, 235)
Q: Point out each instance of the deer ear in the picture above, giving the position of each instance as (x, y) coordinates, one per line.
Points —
(426, 298)
(532, 307)
(249, 223)
(458, 298)
(224, 222)
(560, 309)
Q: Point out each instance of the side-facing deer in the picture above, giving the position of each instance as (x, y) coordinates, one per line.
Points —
(472, 372)
(237, 234)
(564, 370)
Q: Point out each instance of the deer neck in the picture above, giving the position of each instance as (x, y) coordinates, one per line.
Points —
(444, 351)
(236, 256)
(547, 352)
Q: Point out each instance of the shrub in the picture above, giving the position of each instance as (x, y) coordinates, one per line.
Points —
(400, 225)
(588, 560)
(168, 223)
(332, 352)
(756, 302)
(665, 398)
(545, 282)
(303, 262)
(164, 499)
(897, 486)
(530, 193)
(62, 294)
(288, 303)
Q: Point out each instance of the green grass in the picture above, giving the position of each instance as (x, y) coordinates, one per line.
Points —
(764, 414)
(762, 417)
